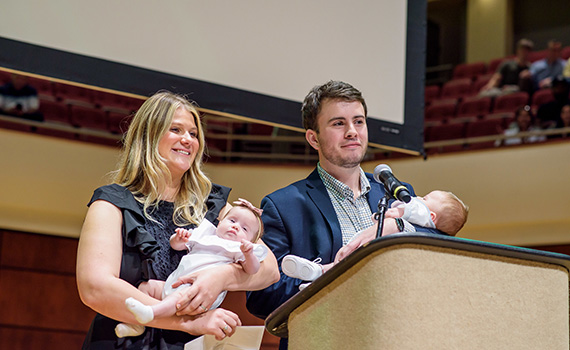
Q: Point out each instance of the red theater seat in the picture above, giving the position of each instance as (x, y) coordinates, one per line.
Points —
(445, 132)
(541, 96)
(457, 88)
(54, 111)
(510, 102)
(469, 70)
(474, 107)
(485, 127)
(440, 112)
(431, 93)
(88, 117)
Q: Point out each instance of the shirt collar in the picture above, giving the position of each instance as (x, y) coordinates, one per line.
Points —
(338, 188)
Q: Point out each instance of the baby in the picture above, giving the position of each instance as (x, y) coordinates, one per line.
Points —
(208, 246)
(438, 209)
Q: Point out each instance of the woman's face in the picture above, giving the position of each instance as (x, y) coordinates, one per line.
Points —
(523, 119)
(565, 115)
(180, 143)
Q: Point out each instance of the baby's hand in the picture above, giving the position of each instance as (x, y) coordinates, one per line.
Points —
(246, 246)
(183, 234)
(393, 213)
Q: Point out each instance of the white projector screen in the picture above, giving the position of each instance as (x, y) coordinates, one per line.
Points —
(249, 49)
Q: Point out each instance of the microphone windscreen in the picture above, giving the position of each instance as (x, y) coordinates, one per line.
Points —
(380, 168)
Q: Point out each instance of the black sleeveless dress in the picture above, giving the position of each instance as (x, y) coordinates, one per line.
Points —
(146, 254)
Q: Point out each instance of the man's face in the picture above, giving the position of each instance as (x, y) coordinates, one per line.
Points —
(342, 138)
(554, 51)
(523, 52)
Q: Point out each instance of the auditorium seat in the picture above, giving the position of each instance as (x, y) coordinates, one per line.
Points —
(4, 77)
(44, 87)
(469, 70)
(537, 55)
(480, 81)
(431, 92)
(457, 88)
(439, 113)
(486, 127)
(88, 117)
(540, 97)
(473, 107)
(72, 92)
(510, 102)
(445, 132)
(566, 53)
(14, 124)
(106, 99)
(118, 120)
(494, 64)
(54, 111)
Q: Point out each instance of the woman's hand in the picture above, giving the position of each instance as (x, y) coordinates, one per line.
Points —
(219, 322)
(206, 286)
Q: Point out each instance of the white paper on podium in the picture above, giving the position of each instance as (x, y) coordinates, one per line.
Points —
(244, 338)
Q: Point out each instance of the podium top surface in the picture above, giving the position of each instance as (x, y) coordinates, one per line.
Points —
(276, 322)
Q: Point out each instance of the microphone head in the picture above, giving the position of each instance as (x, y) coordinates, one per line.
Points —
(380, 168)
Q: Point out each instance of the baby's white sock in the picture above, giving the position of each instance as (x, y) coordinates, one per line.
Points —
(128, 330)
(143, 313)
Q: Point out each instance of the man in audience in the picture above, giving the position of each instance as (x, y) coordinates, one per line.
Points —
(18, 98)
(549, 113)
(544, 71)
(511, 75)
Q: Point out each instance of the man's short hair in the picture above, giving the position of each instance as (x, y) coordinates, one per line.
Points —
(525, 43)
(334, 90)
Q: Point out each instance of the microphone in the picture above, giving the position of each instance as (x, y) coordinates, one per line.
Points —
(383, 174)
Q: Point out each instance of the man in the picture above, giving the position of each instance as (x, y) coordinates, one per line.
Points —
(549, 113)
(315, 217)
(512, 75)
(546, 70)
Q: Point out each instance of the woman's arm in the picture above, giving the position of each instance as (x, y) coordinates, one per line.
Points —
(100, 288)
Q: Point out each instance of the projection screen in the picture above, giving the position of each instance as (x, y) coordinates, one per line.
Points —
(253, 58)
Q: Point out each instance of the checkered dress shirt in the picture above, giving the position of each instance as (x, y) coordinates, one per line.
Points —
(354, 215)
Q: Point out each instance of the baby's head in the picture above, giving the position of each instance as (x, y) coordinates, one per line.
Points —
(241, 222)
(449, 213)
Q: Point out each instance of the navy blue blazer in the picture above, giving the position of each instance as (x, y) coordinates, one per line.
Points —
(300, 219)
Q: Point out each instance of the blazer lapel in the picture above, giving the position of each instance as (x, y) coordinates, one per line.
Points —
(375, 194)
(317, 191)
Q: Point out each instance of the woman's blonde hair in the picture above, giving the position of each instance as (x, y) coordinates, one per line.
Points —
(144, 172)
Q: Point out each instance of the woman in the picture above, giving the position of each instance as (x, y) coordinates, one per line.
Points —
(159, 186)
(524, 121)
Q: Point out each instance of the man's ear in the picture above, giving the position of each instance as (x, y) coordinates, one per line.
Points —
(312, 138)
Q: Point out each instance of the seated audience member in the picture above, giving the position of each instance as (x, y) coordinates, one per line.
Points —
(564, 120)
(566, 72)
(512, 75)
(18, 98)
(438, 209)
(524, 121)
(549, 112)
(544, 71)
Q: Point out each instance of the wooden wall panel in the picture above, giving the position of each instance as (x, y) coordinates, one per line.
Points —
(42, 300)
(39, 303)
(26, 339)
(38, 252)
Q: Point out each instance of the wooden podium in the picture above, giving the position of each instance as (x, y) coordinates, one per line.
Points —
(416, 291)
